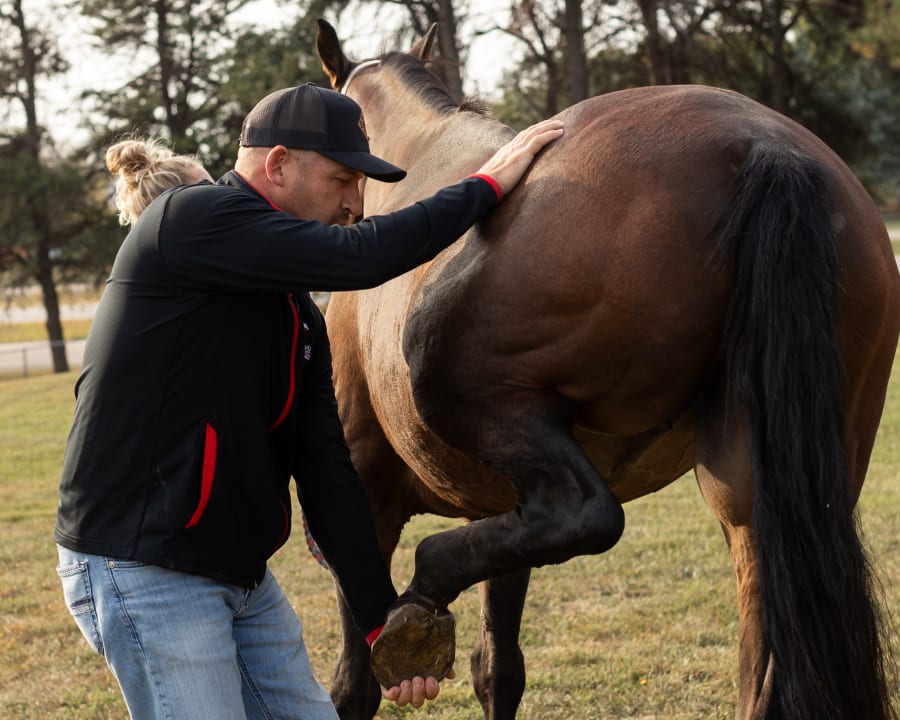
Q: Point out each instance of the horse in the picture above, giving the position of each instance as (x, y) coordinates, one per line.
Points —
(685, 280)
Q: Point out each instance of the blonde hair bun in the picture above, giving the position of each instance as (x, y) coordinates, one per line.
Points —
(130, 157)
(144, 168)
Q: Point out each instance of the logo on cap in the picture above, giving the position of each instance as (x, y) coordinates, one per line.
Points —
(362, 126)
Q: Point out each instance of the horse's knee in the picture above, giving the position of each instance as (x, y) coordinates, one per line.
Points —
(605, 520)
(555, 535)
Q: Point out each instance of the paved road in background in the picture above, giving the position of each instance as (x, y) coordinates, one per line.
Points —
(28, 357)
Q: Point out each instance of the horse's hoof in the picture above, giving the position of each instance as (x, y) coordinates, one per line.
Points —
(415, 642)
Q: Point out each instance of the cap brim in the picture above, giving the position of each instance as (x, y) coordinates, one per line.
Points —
(366, 163)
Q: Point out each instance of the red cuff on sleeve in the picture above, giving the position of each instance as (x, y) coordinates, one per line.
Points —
(373, 636)
(498, 191)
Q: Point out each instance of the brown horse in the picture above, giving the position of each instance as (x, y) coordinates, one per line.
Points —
(686, 279)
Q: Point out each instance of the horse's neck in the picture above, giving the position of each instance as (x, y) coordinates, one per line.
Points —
(437, 150)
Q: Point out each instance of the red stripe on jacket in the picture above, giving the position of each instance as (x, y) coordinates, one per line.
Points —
(209, 472)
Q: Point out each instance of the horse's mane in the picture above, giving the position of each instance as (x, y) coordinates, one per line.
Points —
(418, 78)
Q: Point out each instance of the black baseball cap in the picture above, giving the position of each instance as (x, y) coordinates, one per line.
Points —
(308, 117)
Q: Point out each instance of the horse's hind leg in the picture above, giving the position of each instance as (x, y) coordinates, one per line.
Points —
(722, 464)
(498, 667)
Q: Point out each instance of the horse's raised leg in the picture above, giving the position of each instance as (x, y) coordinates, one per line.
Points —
(498, 667)
(564, 507)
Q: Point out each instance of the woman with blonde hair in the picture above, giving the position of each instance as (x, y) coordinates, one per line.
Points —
(144, 167)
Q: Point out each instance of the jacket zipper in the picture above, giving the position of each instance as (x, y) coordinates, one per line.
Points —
(293, 378)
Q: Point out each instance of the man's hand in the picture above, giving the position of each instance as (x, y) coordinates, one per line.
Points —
(510, 162)
(414, 692)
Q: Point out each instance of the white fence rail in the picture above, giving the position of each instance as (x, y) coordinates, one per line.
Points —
(23, 359)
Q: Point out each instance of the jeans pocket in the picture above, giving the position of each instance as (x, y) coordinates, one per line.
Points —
(76, 583)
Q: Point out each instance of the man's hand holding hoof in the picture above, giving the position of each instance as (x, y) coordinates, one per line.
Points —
(415, 692)
(414, 652)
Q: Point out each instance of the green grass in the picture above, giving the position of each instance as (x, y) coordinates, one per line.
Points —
(646, 631)
(35, 332)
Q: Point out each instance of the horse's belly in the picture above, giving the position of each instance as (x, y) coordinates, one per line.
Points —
(471, 487)
(637, 465)
(474, 489)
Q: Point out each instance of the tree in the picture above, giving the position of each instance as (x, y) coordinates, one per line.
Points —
(563, 41)
(804, 58)
(878, 41)
(45, 200)
(179, 48)
(260, 63)
(535, 26)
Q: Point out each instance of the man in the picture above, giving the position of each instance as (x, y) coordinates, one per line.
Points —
(206, 385)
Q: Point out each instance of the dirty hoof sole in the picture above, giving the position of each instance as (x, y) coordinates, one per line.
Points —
(415, 642)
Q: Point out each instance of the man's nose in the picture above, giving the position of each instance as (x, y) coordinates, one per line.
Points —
(353, 202)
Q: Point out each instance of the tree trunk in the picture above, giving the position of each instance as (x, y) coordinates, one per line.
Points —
(778, 73)
(575, 57)
(166, 70)
(449, 71)
(653, 43)
(37, 197)
(552, 97)
(54, 321)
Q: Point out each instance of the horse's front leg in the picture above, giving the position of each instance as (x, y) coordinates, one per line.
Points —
(354, 690)
(564, 507)
(498, 667)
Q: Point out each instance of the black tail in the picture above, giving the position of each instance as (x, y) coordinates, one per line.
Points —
(822, 623)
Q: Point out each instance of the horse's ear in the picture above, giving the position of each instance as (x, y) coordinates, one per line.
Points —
(422, 48)
(334, 62)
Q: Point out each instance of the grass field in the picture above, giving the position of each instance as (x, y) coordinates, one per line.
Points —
(646, 631)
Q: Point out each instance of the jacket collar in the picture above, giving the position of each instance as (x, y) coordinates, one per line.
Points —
(233, 179)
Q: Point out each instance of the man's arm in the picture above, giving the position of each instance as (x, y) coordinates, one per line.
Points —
(333, 498)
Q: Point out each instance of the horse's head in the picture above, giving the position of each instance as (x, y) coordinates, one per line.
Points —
(404, 105)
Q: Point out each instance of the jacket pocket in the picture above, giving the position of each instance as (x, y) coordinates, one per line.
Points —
(208, 474)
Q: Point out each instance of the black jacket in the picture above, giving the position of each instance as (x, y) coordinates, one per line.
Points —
(206, 384)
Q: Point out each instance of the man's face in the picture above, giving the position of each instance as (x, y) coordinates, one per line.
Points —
(318, 188)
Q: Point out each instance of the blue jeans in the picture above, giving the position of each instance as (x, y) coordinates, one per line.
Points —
(186, 647)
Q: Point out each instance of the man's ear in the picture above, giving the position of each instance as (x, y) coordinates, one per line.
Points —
(274, 164)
